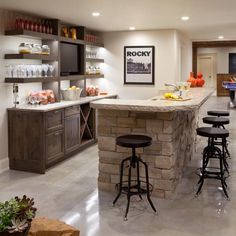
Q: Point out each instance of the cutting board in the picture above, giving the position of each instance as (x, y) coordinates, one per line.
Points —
(176, 99)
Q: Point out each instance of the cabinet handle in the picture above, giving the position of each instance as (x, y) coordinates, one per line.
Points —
(55, 112)
(56, 134)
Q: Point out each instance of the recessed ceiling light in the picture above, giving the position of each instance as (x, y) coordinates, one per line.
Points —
(131, 28)
(221, 37)
(184, 18)
(96, 14)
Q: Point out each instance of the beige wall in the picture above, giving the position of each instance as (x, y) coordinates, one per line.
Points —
(222, 57)
(9, 45)
(167, 61)
(168, 44)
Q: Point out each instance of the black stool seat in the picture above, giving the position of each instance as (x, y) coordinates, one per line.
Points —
(216, 121)
(134, 141)
(218, 113)
(213, 132)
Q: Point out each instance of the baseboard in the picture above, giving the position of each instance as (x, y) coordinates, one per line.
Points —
(4, 164)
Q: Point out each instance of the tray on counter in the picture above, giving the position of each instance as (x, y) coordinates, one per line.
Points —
(177, 99)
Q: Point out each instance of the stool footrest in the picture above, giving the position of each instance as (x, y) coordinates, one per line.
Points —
(134, 188)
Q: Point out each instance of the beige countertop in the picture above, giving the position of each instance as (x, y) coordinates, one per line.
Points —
(59, 105)
(198, 97)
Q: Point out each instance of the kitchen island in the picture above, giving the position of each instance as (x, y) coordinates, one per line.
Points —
(171, 124)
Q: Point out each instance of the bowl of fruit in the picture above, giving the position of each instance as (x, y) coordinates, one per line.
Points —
(71, 94)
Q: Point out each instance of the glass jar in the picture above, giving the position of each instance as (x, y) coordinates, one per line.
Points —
(45, 50)
(25, 48)
(36, 49)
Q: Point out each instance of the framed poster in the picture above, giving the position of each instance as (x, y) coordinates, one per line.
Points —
(139, 64)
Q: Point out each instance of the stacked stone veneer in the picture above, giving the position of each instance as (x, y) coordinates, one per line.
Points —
(173, 136)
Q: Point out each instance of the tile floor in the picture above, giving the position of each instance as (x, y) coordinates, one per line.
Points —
(69, 192)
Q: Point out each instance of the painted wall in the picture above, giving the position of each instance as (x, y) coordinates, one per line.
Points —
(10, 45)
(222, 57)
(168, 64)
(172, 63)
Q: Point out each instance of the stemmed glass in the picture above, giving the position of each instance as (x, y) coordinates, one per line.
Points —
(45, 69)
(51, 68)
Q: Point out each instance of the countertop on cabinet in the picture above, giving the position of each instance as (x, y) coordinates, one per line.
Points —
(157, 104)
(60, 105)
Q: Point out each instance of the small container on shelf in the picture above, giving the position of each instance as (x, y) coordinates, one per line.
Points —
(36, 49)
(25, 48)
(45, 50)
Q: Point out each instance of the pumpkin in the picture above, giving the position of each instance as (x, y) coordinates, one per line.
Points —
(200, 81)
(192, 80)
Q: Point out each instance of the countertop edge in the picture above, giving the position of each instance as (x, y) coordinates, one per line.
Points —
(59, 105)
(153, 107)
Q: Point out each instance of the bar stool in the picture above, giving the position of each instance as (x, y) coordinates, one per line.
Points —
(133, 187)
(218, 122)
(211, 151)
(218, 113)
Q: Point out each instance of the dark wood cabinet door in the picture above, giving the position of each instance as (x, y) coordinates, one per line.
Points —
(73, 110)
(54, 147)
(72, 133)
(54, 120)
(25, 141)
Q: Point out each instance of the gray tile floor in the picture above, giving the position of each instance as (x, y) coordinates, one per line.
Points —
(69, 192)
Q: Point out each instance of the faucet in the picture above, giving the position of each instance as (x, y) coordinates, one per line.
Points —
(172, 85)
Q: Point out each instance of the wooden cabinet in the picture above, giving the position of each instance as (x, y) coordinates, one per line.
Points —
(221, 91)
(72, 133)
(54, 120)
(38, 140)
(54, 147)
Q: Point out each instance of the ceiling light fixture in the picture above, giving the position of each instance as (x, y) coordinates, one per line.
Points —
(185, 18)
(131, 28)
(221, 37)
(96, 14)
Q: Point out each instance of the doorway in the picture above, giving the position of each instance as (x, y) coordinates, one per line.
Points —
(206, 64)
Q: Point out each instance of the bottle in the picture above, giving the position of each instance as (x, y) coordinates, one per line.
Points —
(43, 26)
(39, 26)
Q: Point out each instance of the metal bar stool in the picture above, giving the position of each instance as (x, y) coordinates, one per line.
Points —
(211, 151)
(133, 187)
(218, 122)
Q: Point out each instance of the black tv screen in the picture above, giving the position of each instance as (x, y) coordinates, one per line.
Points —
(69, 59)
(232, 63)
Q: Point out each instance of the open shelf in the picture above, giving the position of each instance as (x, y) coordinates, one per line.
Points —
(31, 80)
(32, 57)
(94, 44)
(72, 77)
(31, 34)
(95, 60)
(94, 76)
(70, 40)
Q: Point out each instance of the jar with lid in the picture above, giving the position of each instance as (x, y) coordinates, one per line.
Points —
(45, 50)
(36, 49)
(25, 48)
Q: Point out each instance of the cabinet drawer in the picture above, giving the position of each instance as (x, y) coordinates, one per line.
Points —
(54, 146)
(54, 120)
(73, 110)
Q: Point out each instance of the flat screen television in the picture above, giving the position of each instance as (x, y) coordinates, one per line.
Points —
(69, 59)
(232, 63)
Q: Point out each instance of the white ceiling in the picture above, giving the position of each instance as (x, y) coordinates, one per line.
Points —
(208, 18)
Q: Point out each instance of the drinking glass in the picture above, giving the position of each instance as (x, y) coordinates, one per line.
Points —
(45, 69)
(8, 71)
(51, 68)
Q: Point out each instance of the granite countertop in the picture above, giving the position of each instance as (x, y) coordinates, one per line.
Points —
(157, 104)
(59, 105)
